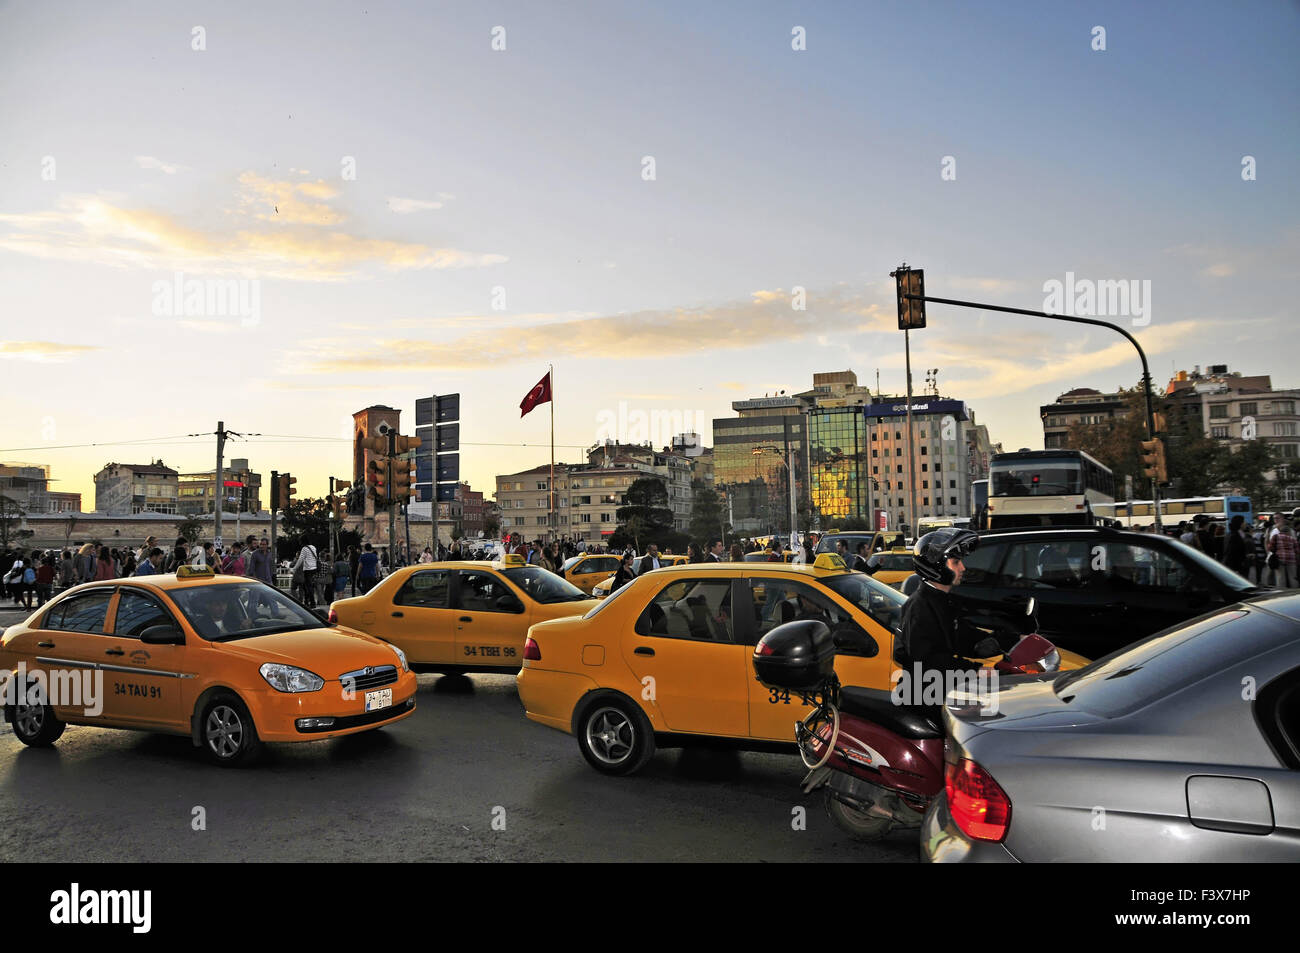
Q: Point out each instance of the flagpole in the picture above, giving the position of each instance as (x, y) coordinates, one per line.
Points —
(550, 373)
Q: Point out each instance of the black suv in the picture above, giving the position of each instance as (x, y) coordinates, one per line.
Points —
(1096, 589)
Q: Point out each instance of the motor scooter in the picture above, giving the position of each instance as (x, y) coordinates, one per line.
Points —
(880, 761)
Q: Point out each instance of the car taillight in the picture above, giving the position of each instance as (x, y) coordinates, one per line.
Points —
(978, 805)
(763, 649)
(531, 650)
(333, 617)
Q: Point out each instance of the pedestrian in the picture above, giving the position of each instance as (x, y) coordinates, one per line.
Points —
(427, 555)
(624, 574)
(367, 569)
(250, 547)
(152, 563)
(180, 555)
(67, 570)
(715, 553)
(737, 554)
(44, 580)
(146, 547)
(261, 564)
(693, 553)
(650, 560)
(211, 558)
(1235, 547)
(342, 573)
(234, 564)
(104, 567)
(86, 562)
(25, 580)
(354, 561)
(1282, 554)
(304, 573)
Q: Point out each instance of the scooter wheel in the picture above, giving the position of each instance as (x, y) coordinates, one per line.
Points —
(859, 825)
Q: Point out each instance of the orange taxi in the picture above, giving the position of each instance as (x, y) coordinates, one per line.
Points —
(586, 570)
(668, 657)
(229, 661)
(461, 616)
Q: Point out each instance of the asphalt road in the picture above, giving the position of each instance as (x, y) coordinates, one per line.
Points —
(428, 788)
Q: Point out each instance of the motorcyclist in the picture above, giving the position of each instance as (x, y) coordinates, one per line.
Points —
(932, 631)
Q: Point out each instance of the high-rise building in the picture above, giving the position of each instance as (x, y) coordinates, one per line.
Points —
(1083, 405)
(755, 455)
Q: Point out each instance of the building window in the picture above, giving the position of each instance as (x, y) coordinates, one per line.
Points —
(1288, 451)
(900, 468)
(584, 518)
(1248, 410)
(606, 517)
(923, 450)
(952, 484)
(952, 500)
(925, 468)
(1219, 432)
(875, 470)
(873, 451)
(1283, 429)
(1284, 406)
(541, 485)
(1218, 411)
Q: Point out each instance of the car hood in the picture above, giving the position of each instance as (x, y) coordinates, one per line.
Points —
(1018, 702)
(328, 652)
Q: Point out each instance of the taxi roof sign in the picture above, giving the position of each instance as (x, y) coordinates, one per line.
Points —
(830, 561)
(513, 559)
(194, 572)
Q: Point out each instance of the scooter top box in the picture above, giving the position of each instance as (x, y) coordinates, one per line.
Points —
(797, 655)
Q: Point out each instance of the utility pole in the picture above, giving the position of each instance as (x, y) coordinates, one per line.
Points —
(392, 512)
(218, 488)
(275, 504)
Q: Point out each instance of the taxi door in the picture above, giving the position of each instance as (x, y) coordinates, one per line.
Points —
(420, 621)
(683, 651)
(491, 620)
(143, 684)
(588, 572)
(774, 600)
(63, 650)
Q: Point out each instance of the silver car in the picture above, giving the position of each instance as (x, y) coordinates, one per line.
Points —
(1182, 747)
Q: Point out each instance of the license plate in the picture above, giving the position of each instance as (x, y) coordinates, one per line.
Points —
(383, 698)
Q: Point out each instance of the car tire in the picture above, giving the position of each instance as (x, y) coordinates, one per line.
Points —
(227, 733)
(615, 736)
(35, 725)
(857, 824)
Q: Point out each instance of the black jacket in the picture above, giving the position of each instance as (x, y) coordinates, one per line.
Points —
(933, 635)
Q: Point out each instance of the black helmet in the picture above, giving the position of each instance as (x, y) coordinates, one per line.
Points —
(932, 551)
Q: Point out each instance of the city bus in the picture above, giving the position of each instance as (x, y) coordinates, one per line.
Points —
(1173, 512)
(1047, 488)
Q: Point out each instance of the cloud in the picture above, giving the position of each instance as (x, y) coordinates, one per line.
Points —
(281, 230)
(149, 162)
(765, 318)
(407, 206)
(42, 351)
(1223, 269)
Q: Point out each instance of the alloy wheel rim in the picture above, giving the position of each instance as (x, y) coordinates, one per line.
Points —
(29, 719)
(610, 736)
(225, 731)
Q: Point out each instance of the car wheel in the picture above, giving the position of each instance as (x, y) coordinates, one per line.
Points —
(35, 725)
(615, 736)
(858, 824)
(227, 733)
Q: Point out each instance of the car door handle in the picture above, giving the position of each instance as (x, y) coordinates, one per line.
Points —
(466, 618)
(643, 650)
(45, 645)
(114, 652)
(398, 615)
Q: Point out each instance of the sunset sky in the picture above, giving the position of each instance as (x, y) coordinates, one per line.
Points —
(499, 217)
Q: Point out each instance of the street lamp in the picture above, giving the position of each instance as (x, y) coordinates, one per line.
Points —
(789, 471)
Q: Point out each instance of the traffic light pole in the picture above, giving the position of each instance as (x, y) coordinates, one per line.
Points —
(1146, 372)
(392, 512)
(275, 504)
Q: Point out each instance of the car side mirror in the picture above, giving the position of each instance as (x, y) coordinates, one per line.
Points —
(987, 648)
(508, 603)
(854, 640)
(166, 634)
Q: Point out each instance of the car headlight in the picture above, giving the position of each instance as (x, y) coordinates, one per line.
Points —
(1051, 662)
(401, 656)
(288, 678)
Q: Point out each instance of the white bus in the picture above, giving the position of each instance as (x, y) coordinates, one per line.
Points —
(1047, 488)
(1173, 512)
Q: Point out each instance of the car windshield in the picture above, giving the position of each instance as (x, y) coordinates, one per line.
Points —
(1217, 570)
(830, 544)
(1140, 674)
(879, 601)
(569, 563)
(895, 562)
(1041, 477)
(224, 611)
(544, 586)
(617, 593)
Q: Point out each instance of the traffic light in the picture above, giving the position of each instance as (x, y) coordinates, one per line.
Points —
(1161, 423)
(911, 312)
(375, 444)
(403, 444)
(275, 490)
(284, 484)
(403, 477)
(375, 475)
(1153, 460)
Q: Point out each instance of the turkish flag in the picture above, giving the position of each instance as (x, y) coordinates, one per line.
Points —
(538, 395)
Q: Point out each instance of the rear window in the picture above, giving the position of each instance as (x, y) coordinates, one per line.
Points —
(897, 562)
(1141, 674)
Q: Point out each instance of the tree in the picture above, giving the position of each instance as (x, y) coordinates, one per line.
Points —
(189, 529)
(1117, 443)
(11, 516)
(304, 521)
(69, 524)
(1246, 471)
(646, 516)
(707, 520)
(1194, 460)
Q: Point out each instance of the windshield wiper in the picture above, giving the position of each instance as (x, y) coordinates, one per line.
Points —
(254, 633)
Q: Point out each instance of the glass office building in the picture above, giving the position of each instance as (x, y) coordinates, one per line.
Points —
(756, 484)
(839, 483)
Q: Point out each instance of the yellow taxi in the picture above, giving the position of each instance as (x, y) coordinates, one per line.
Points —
(586, 570)
(670, 656)
(461, 616)
(895, 566)
(229, 661)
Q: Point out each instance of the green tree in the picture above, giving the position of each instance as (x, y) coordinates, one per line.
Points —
(1194, 460)
(189, 529)
(646, 515)
(707, 517)
(1246, 471)
(1117, 442)
(304, 521)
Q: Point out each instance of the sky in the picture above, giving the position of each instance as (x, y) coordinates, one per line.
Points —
(417, 199)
